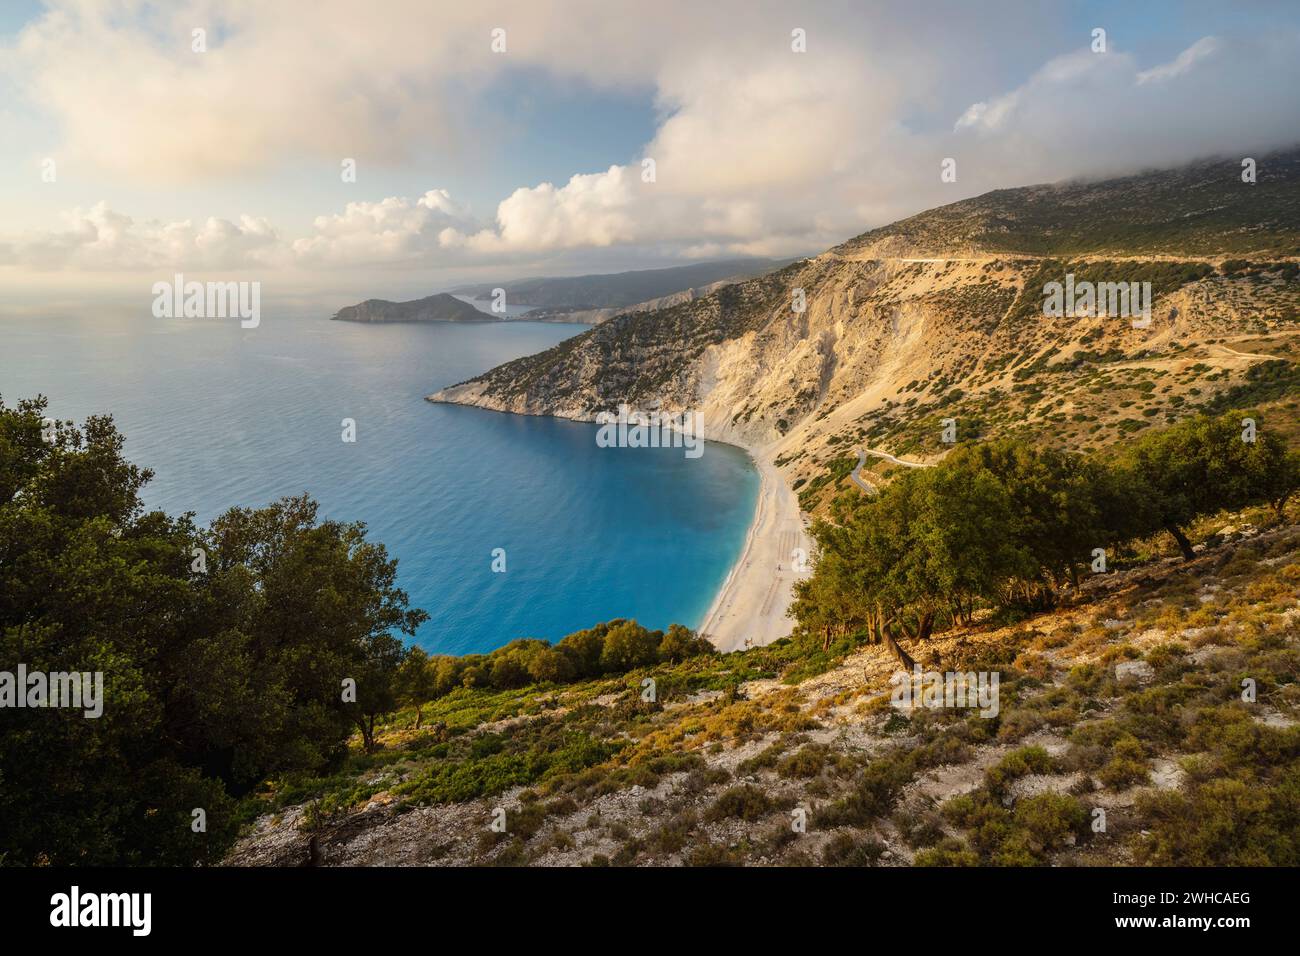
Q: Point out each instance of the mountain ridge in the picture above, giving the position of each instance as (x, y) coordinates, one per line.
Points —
(899, 331)
(618, 290)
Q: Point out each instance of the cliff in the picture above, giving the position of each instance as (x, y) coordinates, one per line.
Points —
(940, 316)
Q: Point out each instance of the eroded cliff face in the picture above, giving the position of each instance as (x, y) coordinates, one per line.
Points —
(880, 341)
(885, 349)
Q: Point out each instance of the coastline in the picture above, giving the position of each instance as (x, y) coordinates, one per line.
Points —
(750, 605)
(749, 609)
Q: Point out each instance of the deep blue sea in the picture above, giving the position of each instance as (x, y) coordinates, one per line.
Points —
(227, 416)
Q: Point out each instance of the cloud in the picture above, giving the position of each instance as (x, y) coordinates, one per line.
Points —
(1202, 49)
(1085, 113)
(101, 239)
(276, 83)
(757, 149)
(392, 231)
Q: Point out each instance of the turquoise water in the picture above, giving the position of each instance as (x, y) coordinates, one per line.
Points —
(227, 416)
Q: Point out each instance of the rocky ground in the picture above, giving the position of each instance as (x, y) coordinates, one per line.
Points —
(1124, 707)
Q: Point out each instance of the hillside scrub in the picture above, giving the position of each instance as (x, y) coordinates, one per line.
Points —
(249, 650)
(224, 650)
(1005, 525)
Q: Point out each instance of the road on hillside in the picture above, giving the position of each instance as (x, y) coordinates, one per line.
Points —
(862, 460)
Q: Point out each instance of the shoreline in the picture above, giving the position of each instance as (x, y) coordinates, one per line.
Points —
(749, 608)
(750, 604)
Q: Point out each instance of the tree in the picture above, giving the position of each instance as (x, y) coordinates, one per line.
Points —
(377, 685)
(681, 642)
(216, 674)
(416, 682)
(447, 674)
(960, 546)
(552, 666)
(629, 646)
(1276, 473)
(1204, 465)
(1057, 501)
(1005, 523)
(585, 648)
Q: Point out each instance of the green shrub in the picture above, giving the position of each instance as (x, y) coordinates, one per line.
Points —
(1223, 822)
(1017, 764)
(948, 852)
(744, 802)
(1127, 765)
(846, 850)
(1050, 820)
(808, 761)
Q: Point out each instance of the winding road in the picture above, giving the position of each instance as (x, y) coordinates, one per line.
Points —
(862, 460)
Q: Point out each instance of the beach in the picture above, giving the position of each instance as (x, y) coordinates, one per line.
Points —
(750, 608)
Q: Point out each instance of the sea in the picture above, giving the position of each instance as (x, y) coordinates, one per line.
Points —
(227, 416)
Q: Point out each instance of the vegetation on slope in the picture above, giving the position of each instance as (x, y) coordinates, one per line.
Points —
(1126, 699)
(227, 654)
(1202, 208)
(223, 682)
(1005, 525)
(223, 649)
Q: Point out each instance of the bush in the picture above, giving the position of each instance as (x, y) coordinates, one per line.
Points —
(1127, 766)
(808, 761)
(745, 802)
(1050, 821)
(949, 852)
(1223, 822)
(1017, 764)
(846, 850)
(713, 854)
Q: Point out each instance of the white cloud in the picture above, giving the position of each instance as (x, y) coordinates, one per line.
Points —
(1202, 49)
(393, 230)
(101, 239)
(1086, 113)
(757, 150)
(590, 210)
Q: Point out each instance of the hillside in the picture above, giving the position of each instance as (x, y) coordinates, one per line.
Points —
(1127, 701)
(1202, 209)
(1122, 734)
(434, 308)
(596, 316)
(618, 290)
(940, 316)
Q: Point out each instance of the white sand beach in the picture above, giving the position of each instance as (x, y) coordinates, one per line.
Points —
(749, 610)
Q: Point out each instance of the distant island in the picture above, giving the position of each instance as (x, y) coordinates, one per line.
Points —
(590, 299)
(442, 307)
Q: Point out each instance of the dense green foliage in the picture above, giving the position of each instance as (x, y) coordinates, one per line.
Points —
(223, 650)
(251, 648)
(613, 647)
(1006, 524)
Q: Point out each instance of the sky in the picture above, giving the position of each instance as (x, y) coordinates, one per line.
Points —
(135, 150)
